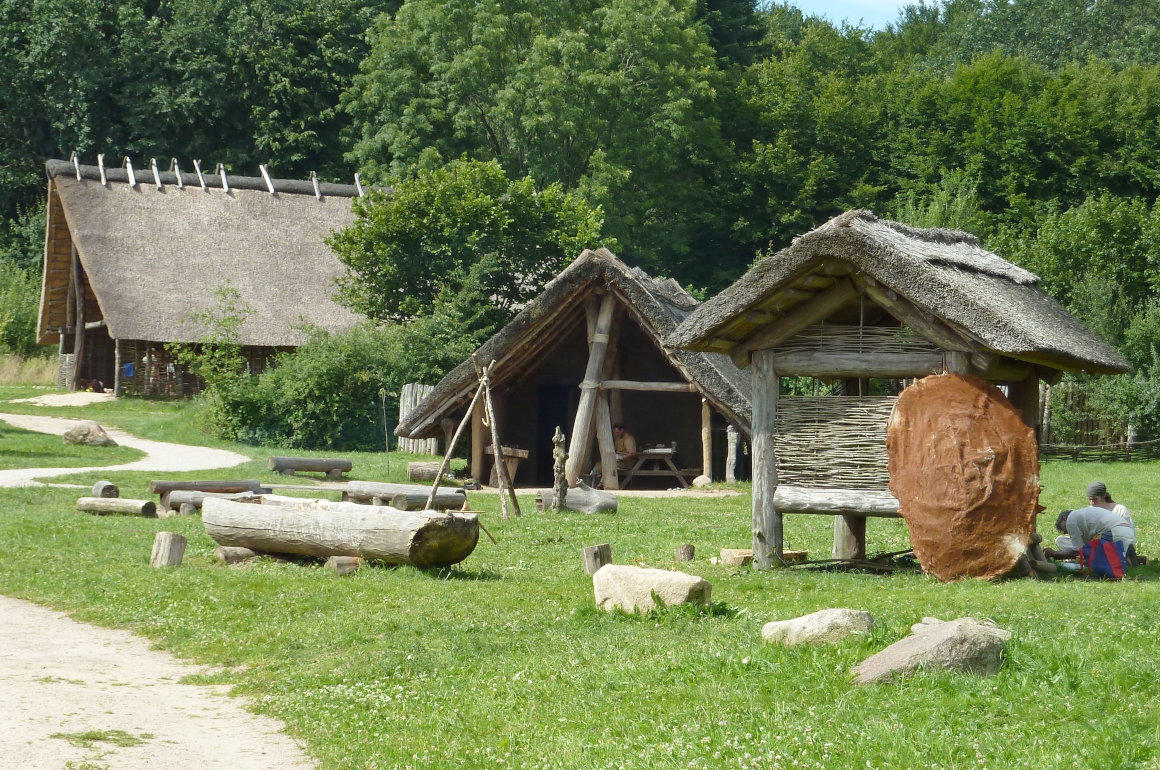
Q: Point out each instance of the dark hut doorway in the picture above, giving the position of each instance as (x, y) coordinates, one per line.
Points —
(556, 405)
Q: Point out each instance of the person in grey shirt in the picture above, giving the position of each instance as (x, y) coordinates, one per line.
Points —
(1086, 524)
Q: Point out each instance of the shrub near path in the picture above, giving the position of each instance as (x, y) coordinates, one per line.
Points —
(503, 660)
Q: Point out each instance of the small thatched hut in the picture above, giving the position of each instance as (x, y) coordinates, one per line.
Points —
(585, 354)
(863, 304)
(131, 257)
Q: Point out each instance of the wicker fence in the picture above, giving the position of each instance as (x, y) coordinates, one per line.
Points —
(832, 442)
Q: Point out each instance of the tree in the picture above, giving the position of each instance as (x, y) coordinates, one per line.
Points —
(615, 100)
(462, 231)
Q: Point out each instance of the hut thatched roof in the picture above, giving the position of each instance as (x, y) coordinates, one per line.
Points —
(946, 274)
(657, 305)
(154, 256)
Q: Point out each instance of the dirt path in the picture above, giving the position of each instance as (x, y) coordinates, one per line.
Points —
(60, 679)
(159, 455)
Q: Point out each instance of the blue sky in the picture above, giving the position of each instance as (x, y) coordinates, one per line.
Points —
(873, 13)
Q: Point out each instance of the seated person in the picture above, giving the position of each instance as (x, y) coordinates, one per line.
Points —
(1098, 497)
(626, 453)
(1086, 524)
(625, 446)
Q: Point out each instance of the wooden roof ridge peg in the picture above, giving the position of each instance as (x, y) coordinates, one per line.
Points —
(451, 448)
(76, 161)
(266, 176)
(221, 169)
(200, 176)
(314, 182)
(127, 164)
(358, 184)
(156, 172)
(505, 482)
(176, 169)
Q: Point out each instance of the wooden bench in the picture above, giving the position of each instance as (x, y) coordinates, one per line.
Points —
(333, 467)
(511, 458)
(849, 507)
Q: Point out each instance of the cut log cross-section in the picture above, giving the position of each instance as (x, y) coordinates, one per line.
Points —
(324, 528)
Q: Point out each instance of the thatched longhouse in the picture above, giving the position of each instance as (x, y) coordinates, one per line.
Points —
(662, 394)
(861, 305)
(148, 256)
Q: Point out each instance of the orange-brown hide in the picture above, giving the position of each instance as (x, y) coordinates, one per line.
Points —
(965, 470)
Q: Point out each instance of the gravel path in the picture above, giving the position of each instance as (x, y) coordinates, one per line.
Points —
(159, 455)
(60, 679)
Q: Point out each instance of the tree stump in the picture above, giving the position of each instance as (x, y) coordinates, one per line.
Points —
(168, 550)
(685, 552)
(187, 509)
(106, 489)
(596, 556)
(736, 557)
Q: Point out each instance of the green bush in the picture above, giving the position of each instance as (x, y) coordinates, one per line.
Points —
(325, 395)
(19, 299)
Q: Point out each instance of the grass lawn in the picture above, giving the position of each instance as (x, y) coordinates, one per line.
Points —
(503, 661)
(26, 449)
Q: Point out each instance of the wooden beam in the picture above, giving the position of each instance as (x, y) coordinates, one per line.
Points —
(920, 322)
(805, 314)
(580, 446)
(849, 537)
(78, 274)
(609, 475)
(958, 362)
(832, 502)
(91, 325)
(706, 438)
(767, 534)
(823, 363)
(651, 387)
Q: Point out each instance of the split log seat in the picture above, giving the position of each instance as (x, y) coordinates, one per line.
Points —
(333, 467)
(849, 507)
(511, 458)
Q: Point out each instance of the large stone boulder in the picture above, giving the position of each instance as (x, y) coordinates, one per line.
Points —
(642, 589)
(89, 434)
(965, 644)
(821, 627)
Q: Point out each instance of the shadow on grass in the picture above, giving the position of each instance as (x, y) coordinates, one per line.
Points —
(662, 614)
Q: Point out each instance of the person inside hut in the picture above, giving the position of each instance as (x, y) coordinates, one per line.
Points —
(626, 452)
(1103, 519)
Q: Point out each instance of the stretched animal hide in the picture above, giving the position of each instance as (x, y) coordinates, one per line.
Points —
(965, 470)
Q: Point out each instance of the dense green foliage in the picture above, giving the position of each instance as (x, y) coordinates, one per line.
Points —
(458, 232)
(704, 131)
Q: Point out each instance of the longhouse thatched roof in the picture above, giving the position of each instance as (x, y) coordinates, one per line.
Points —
(944, 273)
(657, 305)
(153, 256)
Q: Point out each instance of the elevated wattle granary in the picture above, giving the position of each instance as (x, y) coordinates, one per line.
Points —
(851, 311)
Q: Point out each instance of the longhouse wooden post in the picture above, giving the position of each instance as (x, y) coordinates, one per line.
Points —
(117, 385)
(605, 441)
(478, 439)
(706, 438)
(78, 319)
(580, 449)
(767, 538)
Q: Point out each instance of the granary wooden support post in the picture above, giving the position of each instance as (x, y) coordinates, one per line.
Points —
(849, 537)
(580, 449)
(1024, 396)
(732, 438)
(767, 538)
(706, 438)
(117, 384)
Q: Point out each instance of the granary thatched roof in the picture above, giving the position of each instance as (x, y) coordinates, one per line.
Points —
(657, 305)
(154, 256)
(944, 273)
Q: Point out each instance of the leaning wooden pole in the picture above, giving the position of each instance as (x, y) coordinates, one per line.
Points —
(501, 474)
(451, 449)
(582, 429)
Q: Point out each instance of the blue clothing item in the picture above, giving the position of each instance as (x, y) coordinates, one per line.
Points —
(128, 369)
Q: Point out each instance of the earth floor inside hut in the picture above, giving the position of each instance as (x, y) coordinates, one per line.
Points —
(504, 661)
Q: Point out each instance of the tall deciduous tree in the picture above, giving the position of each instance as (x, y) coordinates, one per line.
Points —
(464, 232)
(616, 100)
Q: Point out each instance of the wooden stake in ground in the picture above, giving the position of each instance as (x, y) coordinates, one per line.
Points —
(505, 482)
(168, 550)
(596, 556)
(685, 552)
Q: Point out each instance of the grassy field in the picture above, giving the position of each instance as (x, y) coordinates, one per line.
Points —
(25, 449)
(503, 661)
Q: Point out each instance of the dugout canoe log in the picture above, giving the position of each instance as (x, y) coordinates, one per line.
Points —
(114, 505)
(322, 528)
(232, 487)
(333, 467)
(366, 491)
